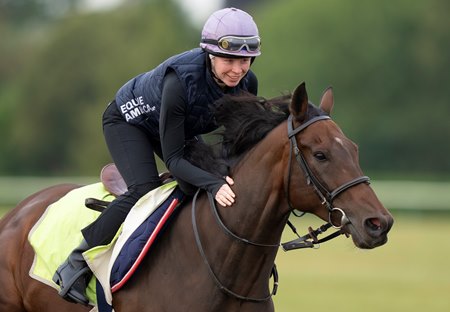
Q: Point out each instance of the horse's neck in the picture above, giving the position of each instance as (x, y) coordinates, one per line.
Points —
(260, 179)
(260, 211)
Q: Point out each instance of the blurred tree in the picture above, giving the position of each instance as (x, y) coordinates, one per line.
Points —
(71, 79)
(388, 62)
(246, 5)
(22, 13)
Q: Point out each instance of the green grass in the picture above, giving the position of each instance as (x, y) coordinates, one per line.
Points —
(410, 273)
(4, 209)
(414, 195)
(15, 189)
(405, 195)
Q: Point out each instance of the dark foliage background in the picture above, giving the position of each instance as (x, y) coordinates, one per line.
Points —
(387, 61)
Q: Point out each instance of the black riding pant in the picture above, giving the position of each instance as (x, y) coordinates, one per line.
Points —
(133, 152)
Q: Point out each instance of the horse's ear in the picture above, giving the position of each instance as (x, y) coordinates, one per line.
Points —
(299, 103)
(327, 101)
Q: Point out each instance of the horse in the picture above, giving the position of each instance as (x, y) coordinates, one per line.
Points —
(284, 155)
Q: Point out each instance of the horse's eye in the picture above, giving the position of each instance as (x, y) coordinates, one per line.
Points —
(320, 156)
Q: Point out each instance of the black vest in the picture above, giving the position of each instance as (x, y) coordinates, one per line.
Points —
(139, 100)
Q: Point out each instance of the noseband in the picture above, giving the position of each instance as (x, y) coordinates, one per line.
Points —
(325, 196)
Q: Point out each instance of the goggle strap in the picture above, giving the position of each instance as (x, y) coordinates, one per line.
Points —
(240, 46)
(210, 41)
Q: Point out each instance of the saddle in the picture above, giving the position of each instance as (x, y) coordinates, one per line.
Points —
(115, 184)
(112, 180)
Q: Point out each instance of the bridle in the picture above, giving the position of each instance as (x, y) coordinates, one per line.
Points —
(325, 196)
(306, 241)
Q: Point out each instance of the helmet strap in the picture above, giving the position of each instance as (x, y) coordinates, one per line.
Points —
(213, 74)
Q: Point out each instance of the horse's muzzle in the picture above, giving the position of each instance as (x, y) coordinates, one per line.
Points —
(371, 233)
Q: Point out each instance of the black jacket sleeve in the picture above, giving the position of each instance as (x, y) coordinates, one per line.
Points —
(172, 135)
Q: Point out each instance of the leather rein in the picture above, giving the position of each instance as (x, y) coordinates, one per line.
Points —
(236, 237)
(307, 241)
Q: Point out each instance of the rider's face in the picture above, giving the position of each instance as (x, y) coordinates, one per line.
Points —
(230, 70)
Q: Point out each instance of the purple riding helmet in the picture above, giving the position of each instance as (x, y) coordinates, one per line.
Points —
(231, 32)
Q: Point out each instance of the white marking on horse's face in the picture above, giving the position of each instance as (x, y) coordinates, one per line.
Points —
(339, 141)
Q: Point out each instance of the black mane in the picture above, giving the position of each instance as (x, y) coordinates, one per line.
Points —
(244, 120)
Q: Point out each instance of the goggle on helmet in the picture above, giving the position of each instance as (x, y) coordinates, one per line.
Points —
(231, 32)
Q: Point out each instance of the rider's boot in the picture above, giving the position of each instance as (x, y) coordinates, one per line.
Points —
(74, 275)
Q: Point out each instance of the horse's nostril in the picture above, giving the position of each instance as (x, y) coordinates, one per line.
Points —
(374, 224)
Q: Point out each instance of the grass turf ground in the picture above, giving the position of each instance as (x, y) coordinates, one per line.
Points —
(410, 273)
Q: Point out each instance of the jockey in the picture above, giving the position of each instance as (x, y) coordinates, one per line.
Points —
(155, 113)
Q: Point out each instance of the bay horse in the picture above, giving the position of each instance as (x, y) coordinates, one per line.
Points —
(283, 157)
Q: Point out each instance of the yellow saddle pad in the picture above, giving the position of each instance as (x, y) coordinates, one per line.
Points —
(58, 232)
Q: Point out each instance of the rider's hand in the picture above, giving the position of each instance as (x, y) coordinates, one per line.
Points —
(225, 195)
